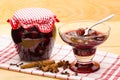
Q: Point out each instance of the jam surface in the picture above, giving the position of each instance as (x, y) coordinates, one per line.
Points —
(77, 38)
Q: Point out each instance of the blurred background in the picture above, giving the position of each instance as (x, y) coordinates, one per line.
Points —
(66, 10)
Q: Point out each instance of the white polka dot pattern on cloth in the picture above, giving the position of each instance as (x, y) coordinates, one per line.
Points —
(42, 18)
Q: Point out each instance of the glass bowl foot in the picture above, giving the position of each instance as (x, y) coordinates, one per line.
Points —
(85, 68)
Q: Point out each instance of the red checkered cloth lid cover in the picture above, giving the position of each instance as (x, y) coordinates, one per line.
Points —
(42, 18)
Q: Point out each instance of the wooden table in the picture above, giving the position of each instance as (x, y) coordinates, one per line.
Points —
(66, 10)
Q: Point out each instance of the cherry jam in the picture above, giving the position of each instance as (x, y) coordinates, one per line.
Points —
(84, 48)
(33, 31)
(32, 44)
(77, 38)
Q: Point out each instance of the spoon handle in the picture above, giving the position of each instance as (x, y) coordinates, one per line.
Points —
(100, 21)
(105, 19)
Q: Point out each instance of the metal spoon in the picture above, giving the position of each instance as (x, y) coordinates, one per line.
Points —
(100, 21)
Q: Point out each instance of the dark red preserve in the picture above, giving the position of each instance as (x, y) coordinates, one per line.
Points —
(33, 31)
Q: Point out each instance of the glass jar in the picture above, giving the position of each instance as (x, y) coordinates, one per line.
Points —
(34, 33)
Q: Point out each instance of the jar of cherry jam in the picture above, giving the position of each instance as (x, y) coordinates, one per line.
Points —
(33, 31)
